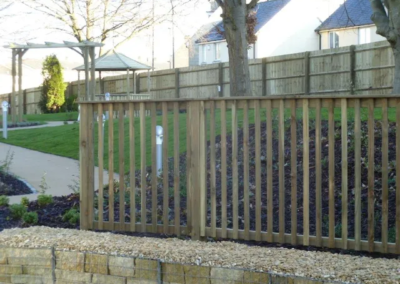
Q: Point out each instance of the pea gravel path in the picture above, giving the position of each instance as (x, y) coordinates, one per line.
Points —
(320, 265)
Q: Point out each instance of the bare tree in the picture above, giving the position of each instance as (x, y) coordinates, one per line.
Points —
(101, 20)
(387, 22)
(235, 15)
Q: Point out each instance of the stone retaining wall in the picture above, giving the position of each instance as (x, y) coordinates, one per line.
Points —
(24, 265)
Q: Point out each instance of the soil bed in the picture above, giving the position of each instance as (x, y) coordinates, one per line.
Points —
(10, 185)
(319, 265)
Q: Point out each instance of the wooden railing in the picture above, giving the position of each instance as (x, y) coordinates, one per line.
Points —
(294, 169)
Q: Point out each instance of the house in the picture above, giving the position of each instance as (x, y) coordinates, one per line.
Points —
(350, 24)
(283, 27)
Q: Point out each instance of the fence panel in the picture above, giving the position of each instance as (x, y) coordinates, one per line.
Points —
(301, 170)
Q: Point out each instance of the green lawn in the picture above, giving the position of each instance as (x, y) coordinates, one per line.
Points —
(50, 117)
(63, 140)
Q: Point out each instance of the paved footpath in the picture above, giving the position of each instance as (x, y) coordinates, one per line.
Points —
(48, 124)
(30, 166)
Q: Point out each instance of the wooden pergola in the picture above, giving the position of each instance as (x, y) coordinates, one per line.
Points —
(85, 48)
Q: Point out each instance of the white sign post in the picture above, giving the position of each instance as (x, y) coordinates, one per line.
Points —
(4, 105)
(159, 142)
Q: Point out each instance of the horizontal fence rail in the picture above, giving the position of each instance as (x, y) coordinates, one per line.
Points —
(300, 170)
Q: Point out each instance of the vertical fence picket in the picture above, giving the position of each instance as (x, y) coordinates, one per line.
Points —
(357, 174)
(132, 166)
(331, 139)
(235, 178)
(165, 171)
(111, 165)
(143, 181)
(101, 165)
(246, 170)
(202, 169)
(371, 176)
(90, 185)
(223, 172)
(270, 212)
(293, 162)
(258, 167)
(177, 199)
(188, 165)
(213, 190)
(154, 174)
(83, 156)
(281, 130)
(398, 177)
(306, 175)
(385, 165)
(344, 173)
(121, 157)
(318, 174)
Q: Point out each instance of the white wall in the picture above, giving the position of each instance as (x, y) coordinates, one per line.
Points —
(350, 37)
(292, 30)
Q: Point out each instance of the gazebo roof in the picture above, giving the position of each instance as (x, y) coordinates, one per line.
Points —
(114, 61)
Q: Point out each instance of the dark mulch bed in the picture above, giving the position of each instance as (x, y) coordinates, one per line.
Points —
(10, 185)
(21, 124)
(49, 215)
(287, 184)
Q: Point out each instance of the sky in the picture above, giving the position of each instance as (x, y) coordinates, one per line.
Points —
(26, 25)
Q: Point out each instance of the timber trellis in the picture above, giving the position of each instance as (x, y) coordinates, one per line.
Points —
(301, 170)
(359, 70)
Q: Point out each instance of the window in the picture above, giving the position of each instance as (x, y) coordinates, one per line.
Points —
(217, 52)
(333, 40)
(364, 35)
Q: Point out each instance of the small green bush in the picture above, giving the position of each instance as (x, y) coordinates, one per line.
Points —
(17, 211)
(4, 200)
(71, 216)
(44, 199)
(30, 218)
(25, 201)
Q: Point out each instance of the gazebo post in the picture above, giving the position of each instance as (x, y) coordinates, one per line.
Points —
(134, 81)
(127, 83)
(13, 71)
(101, 84)
(148, 82)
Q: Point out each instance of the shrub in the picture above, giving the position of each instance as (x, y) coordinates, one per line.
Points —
(71, 216)
(70, 105)
(44, 199)
(30, 218)
(53, 85)
(4, 200)
(25, 201)
(17, 211)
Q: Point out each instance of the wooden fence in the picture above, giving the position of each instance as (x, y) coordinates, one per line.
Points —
(360, 69)
(301, 170)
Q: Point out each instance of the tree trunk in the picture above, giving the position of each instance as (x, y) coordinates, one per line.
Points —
(396, 79)
(234, 18)
(387, 23)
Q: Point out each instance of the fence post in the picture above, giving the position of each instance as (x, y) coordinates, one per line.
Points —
(264, 77)
(86, 157)
(352, 69)
(177, 83)
(25, 110)
(197, 170)
(307, 73)
(221, 79)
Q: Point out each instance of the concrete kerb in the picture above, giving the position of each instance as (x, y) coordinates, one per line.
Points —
(64, 266)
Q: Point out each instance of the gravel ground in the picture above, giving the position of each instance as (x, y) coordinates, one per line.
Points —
(319, 265)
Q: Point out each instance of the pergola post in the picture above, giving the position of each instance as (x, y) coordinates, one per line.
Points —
(13, 72)
(92, 73)
(20, 93)
(79, 85)
(134, 81)
(87, 86)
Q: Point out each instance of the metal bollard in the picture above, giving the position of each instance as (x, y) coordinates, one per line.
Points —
(5, 111)
(159, 142)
